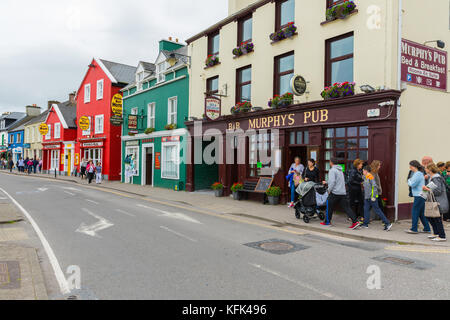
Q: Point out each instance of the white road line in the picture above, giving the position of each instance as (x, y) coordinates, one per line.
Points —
(125, 213)
(60, 277)
(92, 230)
(172, 215)
(178, 234)
(150, 208)
(92, 201)
(69, 193)
(304, 285)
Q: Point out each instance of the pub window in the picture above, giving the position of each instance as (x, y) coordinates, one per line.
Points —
(331, 3)
(284, 71)
(339, 59)
(212, 86)
(244, 84)
(299, 138)
(260, 146)
(285, 13)
(213, 43)
(346, 144)
(245, 29)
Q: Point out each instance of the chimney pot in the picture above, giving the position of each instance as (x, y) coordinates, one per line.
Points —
(170, 38)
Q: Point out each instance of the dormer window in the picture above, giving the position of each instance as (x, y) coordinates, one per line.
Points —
(139, 80)
(160, 69)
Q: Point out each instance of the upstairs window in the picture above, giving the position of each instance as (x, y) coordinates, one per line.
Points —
(331, 3)
(284, 71)
(245, 30)
(87, 93)
(139, 80)
(57, 134)
(339, 59)
(214, 43)
(100, 89)
(212, 86)
(172, 111)
(48, 136)
(244, 84)
(151, 108)
(99, 124)
(11, 139)
(161, 68)
(285, 13)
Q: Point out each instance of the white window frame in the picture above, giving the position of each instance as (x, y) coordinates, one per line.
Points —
(87, 93)
(88, 131)
(54, 161)
(170, 113)
(100, 93)
(163, 159)
(57, 131)
(151, 115)
(97, 119)
(127, 152)
(134, 111)
(140, 80)
(160, 72)
(48, 136)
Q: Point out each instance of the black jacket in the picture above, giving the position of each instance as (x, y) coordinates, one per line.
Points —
(355, 178)
(311, 175)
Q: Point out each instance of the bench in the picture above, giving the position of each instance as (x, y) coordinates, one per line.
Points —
(252, 187)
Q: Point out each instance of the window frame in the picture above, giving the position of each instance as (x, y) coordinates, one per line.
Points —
(160, 75)
(211, 37)
(151, 116)
(331, 4)
(57, 131)
(88, 131)
(87, 97)
(278, 25)
(208, 86)
(177, 159)
(100, 96)
(170, 113)
(240, 35)
(329, 62)
(97, 117)
(277, 75)
(48, 136)
(239, 85)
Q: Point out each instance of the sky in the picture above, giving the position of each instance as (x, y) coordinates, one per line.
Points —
(47, 45)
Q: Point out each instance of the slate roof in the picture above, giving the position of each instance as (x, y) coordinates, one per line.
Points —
(19, 125)
(40, 118)
(69, 112)
(122, 72)
(13, 115)
(150, 67)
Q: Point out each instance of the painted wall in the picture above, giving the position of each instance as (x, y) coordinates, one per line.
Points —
(16, 143)
(34, 138)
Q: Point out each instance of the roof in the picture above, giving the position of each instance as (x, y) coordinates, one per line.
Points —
(121, 72)
(40, 118)
(150, 67)
(13, 115)
(68, 112)
(19, 125)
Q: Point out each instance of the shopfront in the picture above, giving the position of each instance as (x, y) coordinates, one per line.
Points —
(92, 150)
(265, 143)
(52, 158)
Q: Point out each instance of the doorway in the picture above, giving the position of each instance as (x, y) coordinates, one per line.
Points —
(148, 158)
(294, 152)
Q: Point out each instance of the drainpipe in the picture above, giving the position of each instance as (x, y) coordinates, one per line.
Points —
(399, 87)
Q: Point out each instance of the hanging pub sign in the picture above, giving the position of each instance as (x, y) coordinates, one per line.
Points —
(116, 121)
(424, 66)
(43, 129)
(132, 122)
(298, 85)
(117, 105)
(212, 108)
(84, 123)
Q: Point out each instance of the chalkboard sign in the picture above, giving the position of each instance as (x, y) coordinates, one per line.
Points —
(263, 185)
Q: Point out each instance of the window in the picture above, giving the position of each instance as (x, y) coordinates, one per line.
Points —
(87, 93)
(212, 86)
(172, 111)
(139, 79)
(100, 89)
(134, 111)
(260, 152)
(11, 138)
(284, 71)
(348, 144)
(285, 13)
(54, 160)
(93, 154)
(299, 138)
(19, 138)
(48, 136)
(151, 115)
(170, 160)
(339, 59)
(99, 120)
(161, 68)
(57, 133)
(214, 43)
(244, 84)
(245, 29)
(2, 124)
(131, 163)
(88, 131)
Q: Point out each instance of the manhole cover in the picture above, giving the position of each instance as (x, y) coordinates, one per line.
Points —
(399, 261)
(405, 262)
(276, 246)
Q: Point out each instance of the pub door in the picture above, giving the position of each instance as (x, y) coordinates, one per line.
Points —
(294, 152)
(149, 166)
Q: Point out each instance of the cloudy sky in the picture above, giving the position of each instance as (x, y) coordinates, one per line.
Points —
(46, 45)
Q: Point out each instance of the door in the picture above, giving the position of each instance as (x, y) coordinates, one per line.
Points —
(149, 166)
(69, 162)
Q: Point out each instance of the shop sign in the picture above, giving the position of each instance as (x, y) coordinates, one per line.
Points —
(43, 129)
(27, 146)
(132, 122)
(17, 150)
(424, 66)
(212, 108)
(170, 139)
(84, 123)
(298, 85)
(51, 146)
(148, 140)
(132, 143)
(158, 161)
(117, 105)
(116, 121)
(92, 144)
(3, 148)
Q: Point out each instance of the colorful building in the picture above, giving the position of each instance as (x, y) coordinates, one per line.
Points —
(101, 142)
(156, 105)
(33, 138)
(7, 120)
(59, 142)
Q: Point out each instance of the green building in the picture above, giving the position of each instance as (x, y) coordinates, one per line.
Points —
(155, 108)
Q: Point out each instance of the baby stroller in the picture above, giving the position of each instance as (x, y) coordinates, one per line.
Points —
(312, 201)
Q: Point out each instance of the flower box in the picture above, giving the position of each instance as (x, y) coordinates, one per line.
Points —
(212, 60)
(340, 11)
(170, 126)
(281, 101)
(241, 107)
(243, 49)
(285, 33)
(339, 90)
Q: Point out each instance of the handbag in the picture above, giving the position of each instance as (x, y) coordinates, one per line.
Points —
(432, 207)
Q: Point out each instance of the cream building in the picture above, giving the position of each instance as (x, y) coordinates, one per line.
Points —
(33, 137)
(364, 47)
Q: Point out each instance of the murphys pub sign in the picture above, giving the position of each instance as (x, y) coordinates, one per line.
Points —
(424, 66)
(212, 108)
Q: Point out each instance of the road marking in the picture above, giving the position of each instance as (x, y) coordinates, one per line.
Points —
(59, 274)
(178, 234)
(92, 201)
(69, 193)
(42, 189)
(304, 285)
(125, 213)
(172, 215)
(150, 208)
(92, 230)
(71, 189)
(419, 249)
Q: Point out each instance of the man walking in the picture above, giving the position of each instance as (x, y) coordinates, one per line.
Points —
(338, 195)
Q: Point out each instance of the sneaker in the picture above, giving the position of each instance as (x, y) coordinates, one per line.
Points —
(325, 224)
(439, 239)
(291, 205)
(355, 226)
(388, 227)
(432, 237)
(411, 232)
(423, 231)
(364, 226)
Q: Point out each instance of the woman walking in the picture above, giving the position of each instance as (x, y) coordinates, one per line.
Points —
(83, 167)
(375, 166)
(417, 182)
(295, 172)
(355, 181)
(311, 173)
(90, 171)
(98, 173)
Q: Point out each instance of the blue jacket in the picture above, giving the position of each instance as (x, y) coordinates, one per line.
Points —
(416, 183)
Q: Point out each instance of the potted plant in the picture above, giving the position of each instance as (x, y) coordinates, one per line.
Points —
(284, 33)
(149, 130)
(212, 60)
(290, 30)
(340, 11)
(235, 188)
(273, 195)
(218, 189)
(339, 90)
(241, 107)
(170, 126)
(281, 101)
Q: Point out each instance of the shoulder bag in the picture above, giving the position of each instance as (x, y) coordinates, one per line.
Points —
(432, 207)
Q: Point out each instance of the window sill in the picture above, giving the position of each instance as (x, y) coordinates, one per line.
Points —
(242, 55)
(350, 14)
(212, 66)
(291, 37)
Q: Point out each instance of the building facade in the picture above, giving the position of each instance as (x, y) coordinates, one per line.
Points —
(7, 120)
(325, 42)
(33, 138)
(101, 142)
(155, 108)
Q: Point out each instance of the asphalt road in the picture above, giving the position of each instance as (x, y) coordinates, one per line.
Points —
(128, 247)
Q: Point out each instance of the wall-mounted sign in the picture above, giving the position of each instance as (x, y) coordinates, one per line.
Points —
(132, 122)
(424, 66)
(158, 161)
(84, 123)
(170, 139)
(212, 108)
(298, 85)
(77, 159)
(92, 144)
(132, 143)
(117, 105)
(116, 121)
(43, 129)
(26, 146)
(51, 146)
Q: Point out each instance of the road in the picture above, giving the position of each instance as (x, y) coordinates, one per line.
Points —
(130, 247)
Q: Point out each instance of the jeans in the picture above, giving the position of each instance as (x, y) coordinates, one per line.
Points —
(418, 212)
(357, 201)
(342, 200)
(98, 178)
(292, 192)
(438, 227)
(369, 204)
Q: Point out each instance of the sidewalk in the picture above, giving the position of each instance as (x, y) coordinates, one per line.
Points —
(276, 215)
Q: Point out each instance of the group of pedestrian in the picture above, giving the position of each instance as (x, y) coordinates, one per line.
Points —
(429, 183)
(89, 170)
(27, 165)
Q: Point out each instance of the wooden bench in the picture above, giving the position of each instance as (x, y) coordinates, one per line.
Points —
(257, 187)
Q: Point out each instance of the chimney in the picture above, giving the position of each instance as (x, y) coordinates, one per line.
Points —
(50, 103)
(72, 97)
(33, 110)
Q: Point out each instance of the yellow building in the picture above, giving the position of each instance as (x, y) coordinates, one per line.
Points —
(397, 123)
(33, 138)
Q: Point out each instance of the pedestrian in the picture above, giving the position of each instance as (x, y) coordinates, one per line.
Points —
(29, 166)
(311, 172)
(98, 173)
(10, 165)
(425, 162)
(338, 194)
(21, 165)
(355, 181)
(26, 163)
(371, 200)
(446, 177)
(416, 183)
(35, 164)
(438, 188)
(441, 167)
(90, 171)
(376, 167)
(295, 173)
(40, 165)
(83, 167)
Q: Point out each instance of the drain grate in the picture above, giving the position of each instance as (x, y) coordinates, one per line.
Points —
(276, 246)
(404, 262)
(9, 275)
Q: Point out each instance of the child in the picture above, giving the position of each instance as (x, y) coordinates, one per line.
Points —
(98, 170)
(371, 200)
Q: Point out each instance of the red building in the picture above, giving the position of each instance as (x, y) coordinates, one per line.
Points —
(102, 141)
(59, 143)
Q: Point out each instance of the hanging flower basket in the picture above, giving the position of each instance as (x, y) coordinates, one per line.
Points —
(212, 60)
(339, 90)
(285, 33)
(281, 101)
(340, 11)
(243, 49)
(241, 107)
